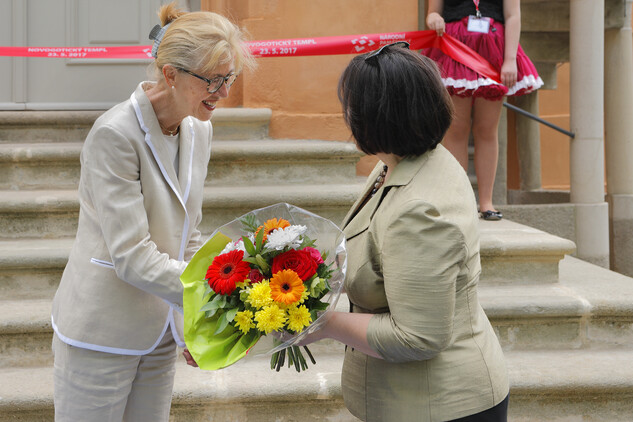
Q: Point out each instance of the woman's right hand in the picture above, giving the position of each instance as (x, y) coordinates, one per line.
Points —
(189, 358)
(436, 23)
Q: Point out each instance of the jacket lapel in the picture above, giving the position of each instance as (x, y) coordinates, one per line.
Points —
(185, 160)
(357, 220)
(154, 138)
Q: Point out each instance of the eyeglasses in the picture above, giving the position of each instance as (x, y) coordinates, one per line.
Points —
(401, 44)
(214, 85)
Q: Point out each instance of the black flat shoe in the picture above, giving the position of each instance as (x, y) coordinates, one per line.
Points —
(491, 215)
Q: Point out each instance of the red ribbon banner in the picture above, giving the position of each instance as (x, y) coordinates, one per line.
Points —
(350, 44)
(125, 52)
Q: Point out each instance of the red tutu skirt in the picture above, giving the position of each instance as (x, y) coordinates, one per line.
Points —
(465, 82)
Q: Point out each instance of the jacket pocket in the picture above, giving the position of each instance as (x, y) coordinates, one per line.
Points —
(102, 263)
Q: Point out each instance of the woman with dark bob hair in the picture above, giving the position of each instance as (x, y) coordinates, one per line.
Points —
(420, 345)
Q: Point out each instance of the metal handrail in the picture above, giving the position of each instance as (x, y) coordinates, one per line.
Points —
(538, 119)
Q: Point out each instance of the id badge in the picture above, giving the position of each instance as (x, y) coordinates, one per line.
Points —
(476, 24)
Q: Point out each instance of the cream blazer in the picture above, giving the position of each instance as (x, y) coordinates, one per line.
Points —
(137, 228)
(413, 260)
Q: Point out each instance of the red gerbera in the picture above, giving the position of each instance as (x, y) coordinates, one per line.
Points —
(226, 270)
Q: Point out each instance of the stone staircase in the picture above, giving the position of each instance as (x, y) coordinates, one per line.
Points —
(566, 325)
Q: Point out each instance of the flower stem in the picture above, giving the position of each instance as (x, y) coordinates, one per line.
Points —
(294, 358)
(310, 355)
(280, 362)
(302, 360)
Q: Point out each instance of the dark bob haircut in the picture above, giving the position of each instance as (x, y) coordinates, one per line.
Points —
(395, 102)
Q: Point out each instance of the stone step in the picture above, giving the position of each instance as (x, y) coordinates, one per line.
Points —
(237, 163)
(32, 268)
(46, 126)
(570, 385)
(26, 333)
(512, 253)
(73, 126)
(590, 309)
(557, 218)
(54, 213)
(33, 255)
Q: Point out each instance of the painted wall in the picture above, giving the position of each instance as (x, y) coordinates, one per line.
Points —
(554, 107)
(301, 91)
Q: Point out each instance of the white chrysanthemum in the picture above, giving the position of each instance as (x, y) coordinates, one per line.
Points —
(231, 246)
(290, 236)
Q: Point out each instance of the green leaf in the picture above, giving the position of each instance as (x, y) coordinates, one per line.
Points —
(234, 300)
(305, 242)
(212, 305)
(218, 302)
(248, 245)
(320, 306)
(230, 314)
(317, 286)
(222, 323)
(243, 296)
(250, 223)
(211, 313)
(259, 242)
(262, 263)
(325, 271)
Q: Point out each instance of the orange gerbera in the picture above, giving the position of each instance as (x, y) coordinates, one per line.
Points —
(271, 225)
(286, 287)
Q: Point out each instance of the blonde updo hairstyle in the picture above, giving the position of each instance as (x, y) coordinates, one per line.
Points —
(200, 41)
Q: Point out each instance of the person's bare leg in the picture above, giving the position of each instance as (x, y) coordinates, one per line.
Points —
(485, 124)
(456, 138)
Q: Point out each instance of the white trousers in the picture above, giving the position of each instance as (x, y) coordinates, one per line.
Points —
(104, 387)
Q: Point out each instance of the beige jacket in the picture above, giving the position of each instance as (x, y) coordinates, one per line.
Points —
(137, 226)
(413, 260)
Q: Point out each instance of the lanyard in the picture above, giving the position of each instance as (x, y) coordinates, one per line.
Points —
(477, 8)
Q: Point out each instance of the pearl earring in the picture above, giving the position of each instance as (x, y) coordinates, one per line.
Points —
(173, 87)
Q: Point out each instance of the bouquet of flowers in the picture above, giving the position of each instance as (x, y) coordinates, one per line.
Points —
(276, 270)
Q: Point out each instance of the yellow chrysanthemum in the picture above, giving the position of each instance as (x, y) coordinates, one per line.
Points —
(305, 295)
(286, 287)
(298, 318)
(270, 318)
(259, 295)
(244, 321)
(242, 285)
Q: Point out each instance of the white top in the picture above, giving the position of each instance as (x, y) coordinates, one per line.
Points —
(173, 143)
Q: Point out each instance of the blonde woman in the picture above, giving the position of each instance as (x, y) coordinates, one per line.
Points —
(143, 165)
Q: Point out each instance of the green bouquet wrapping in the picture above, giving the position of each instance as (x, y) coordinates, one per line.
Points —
(274, 271)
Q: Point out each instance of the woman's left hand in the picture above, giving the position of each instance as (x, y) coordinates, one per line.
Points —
(509, 73)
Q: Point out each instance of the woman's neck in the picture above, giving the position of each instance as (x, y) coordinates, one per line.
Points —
(390, 160)
(161, 98)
